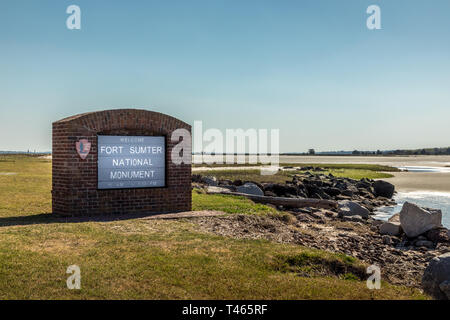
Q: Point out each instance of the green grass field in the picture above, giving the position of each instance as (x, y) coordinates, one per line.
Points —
(247, 175)
(155, 259)
(229, 204)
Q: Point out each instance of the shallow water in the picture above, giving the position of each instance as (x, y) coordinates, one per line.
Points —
(429, 199)
(395, 161)
(424, 169)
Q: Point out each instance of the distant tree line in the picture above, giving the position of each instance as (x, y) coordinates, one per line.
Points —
(360, 153)
(425, 151)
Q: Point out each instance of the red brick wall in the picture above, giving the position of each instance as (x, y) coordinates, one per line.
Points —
(74, 181)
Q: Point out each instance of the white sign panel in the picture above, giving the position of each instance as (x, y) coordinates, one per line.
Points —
(131, 162)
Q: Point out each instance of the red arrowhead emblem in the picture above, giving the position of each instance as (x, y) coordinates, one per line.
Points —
(83, 148)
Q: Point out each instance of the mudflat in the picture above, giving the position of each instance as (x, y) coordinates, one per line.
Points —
(421, 181)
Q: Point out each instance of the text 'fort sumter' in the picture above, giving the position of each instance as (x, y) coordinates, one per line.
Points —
(131, 162)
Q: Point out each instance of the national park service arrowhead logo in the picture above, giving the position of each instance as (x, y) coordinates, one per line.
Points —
(83, 148)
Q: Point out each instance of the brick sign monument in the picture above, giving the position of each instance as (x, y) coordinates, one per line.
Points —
(118, 161)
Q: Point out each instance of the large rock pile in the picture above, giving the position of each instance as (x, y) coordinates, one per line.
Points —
(416, 220)
(365, 192)
(436, 278)
(420, 229)
(420, 226)
(416, 230)
(383, 189)
(352, 209)
(250, 188)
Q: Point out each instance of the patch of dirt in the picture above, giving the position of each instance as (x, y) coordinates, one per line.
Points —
(248, 227)
(155, 222)
(62, 245)
(323, 231)
(186, 214)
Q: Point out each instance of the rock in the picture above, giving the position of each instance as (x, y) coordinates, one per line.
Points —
(395, 218)
(232, 188)
(383, 189)
(368, 205)
(298, 183)
(354, 218)
(391, 228)
(301, 194)
(323, 195)
(416, 220)
(348, 193)
(213, 189)
(257, 183)
(440, 235)
(341, 185)
(270, 194)
(377, 223)
(365, 194)
(316, 215)
(436, 277)
(350, 208)
(332, 191)
(386, 239)
(210, 181)
(445, 287)
(315, 196)
(312, 189)
(341, 197)
(331, 214)
(250, 188)
(424, 243)
(363, 184)
(225, 182)
(281, 190)
(237, 182)
(302, 210)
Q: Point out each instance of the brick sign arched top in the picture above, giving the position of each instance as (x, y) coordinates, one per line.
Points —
(75, 187)
(123, 120)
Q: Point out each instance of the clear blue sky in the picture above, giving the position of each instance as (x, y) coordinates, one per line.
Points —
(310, 68)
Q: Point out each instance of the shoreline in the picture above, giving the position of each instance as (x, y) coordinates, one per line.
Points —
(421, 181)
